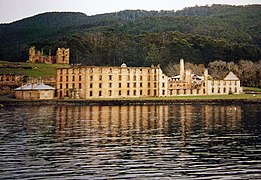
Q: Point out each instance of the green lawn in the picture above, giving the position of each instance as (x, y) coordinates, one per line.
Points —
(254, 89)
(30, 69)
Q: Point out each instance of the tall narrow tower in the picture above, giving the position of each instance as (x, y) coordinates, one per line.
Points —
(181, 70)
(32, 55)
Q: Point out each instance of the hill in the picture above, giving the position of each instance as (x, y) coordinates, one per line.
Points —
(199, 34)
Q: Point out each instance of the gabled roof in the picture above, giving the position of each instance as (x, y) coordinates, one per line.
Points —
(231, 77)
(28, 87)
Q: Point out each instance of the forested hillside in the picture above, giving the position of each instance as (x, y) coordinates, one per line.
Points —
(140, 38)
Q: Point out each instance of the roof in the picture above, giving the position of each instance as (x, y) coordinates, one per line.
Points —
(28, 87)
(231, 77)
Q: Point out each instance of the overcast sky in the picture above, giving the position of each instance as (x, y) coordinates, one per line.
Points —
(12, 10)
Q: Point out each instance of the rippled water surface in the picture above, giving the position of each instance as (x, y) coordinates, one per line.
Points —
(125, 142)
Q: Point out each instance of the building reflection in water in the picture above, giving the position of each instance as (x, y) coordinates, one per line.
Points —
(103, 122)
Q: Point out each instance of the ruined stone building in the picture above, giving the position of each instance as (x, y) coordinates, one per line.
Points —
(8, 82)
(122, 82)
(187, 83)
(111, 82)
(62, 56)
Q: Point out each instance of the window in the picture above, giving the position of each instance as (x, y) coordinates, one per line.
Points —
(148, 84)
(163, 92)
(212, 90)
(128, 77)
(100, 85)
(218, 90)
(148, 77)
(67, 78)
(73, 85)
(80, 85)
(140, 70)
(100, 70)
(140, 84)
(67, 85)
(134, 92)
(155, 85)
(119, 93)
(140, 78)
(224, 90)
(100, 77)
(155, 77)
(100, 93)
(91, 85)
(148, 92)
(204, 91)
(110, 77)
(90, 93)
(61, 78)
(128, 92)
(61, 86)
(197, 91)
(119, 85)
(110, 92)
(128, 85)
(163, 85)
(141, 92)
(110, 85)
(73, 78)
(135, 78)
(80, 78)
(119, 77)
(155, 92)
(91, 78)
(134, 84)
(148, 70)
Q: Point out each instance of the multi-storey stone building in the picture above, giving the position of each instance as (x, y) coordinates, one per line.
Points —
(120, 82)
(191, 84)
(62, 56)
(111, 82)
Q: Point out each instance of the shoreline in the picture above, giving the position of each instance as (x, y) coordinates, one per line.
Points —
(134, 101)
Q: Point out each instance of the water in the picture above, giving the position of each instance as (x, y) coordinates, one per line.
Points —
(131, 142)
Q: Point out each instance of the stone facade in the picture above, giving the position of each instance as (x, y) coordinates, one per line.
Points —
(191, 84)
(111, 82)
(123, 82)
(62, 56)
(8, 82)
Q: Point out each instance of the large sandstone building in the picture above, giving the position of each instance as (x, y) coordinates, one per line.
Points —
(122, 82)
(111, 82)
(62, 56)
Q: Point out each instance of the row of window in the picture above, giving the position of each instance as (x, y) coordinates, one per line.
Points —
(134, 85)
(135, 93)
(91, 70)
(225, 82)
(184, 92)
(225, 90)
(73, 86)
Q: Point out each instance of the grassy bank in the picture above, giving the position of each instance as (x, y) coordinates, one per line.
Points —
(30, 69)
(251, 89)
(219, 100)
